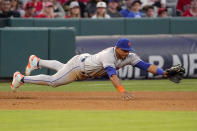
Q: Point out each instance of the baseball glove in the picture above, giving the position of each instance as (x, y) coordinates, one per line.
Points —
(175, 73)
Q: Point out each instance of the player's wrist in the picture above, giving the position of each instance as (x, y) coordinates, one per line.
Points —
(120, 89)
(165, 74)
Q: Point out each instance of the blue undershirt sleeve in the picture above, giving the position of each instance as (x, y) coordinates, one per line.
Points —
(160, 71)
(143, 65)
(110, 71)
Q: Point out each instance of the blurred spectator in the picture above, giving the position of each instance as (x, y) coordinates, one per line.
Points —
(62, 2)
(162, 12)
(193, 11)
(182, 6)
(47, 11)
(163, 3)
(101, 12)
(74, 10)
(91, 7)
(38, 5)
(0, 4)
(6, 10)
(58, 9)
(29, 10)
(126, 11)
(14, 4)
(84, 1)
(158, 3)
(150, 12)
(17, 6)
(112, 8)
(81, 5)
(148, 2)
(135, 9)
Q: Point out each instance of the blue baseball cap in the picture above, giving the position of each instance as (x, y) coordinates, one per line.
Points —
(124, 44)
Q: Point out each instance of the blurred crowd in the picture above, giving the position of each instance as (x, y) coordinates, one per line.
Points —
(96, 9)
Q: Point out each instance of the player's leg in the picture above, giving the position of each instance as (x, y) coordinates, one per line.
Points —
(71, 71)
(51, 64)
(35, 63)
(65, 75)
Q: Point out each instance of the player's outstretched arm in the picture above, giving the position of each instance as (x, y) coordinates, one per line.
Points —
(156, 70)
(151, 68)
(174, 74)
(116, 82)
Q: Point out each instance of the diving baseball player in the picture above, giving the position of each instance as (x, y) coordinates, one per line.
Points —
(84, 66)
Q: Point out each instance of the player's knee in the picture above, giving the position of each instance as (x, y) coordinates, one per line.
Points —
(54, 85)
(53, 82)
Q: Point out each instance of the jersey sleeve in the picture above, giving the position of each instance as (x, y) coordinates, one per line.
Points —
(108, 60)
(143, 65)
(110, 71)
(134, 59)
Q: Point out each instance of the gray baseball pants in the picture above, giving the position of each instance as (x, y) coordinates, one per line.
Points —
(66, 73)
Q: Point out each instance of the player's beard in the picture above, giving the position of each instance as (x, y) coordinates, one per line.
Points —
(124, 57)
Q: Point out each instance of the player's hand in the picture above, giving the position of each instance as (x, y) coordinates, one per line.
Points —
(126, 96)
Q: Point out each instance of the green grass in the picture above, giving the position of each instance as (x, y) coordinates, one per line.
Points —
(97, 121)
(130, 85)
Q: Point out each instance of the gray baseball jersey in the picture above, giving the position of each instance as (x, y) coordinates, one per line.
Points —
(81, 67)
(95, 64)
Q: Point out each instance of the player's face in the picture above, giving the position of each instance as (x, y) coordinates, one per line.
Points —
(121, 54)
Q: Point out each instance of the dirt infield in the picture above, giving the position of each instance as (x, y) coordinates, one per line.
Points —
(98, 101)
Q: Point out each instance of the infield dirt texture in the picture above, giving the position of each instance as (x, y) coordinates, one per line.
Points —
(179, 101)
(158, 105)
(99, 99)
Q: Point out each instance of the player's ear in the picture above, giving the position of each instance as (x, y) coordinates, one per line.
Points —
(117, 47)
